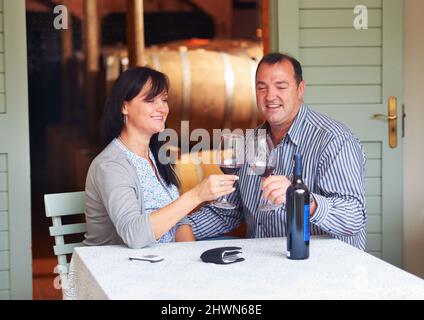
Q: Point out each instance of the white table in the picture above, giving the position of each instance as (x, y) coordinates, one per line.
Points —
(334, 270)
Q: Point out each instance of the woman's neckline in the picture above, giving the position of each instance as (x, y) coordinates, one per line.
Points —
(146, 156)
(149, 160)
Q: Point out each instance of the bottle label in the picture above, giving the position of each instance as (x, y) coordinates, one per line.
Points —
(306, 235)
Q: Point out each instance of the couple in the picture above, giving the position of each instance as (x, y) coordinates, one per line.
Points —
(133, 199)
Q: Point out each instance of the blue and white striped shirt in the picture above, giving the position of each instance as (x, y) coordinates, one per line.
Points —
(333, 170)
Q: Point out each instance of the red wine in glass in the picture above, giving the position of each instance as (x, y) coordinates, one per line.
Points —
(263, 171)
(230, 169)
(230, 157)
(262, 158)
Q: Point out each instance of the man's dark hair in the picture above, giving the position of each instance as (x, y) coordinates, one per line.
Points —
(276, 57)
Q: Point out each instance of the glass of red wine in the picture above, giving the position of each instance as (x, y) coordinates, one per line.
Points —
(230, 158)
(261, 159)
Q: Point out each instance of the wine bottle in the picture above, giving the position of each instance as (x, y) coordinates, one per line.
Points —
(297, 206)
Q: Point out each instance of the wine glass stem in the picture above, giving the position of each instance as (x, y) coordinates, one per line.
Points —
(265, 202)
(224, 198)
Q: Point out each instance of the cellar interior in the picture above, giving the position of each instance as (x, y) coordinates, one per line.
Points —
(208, 49)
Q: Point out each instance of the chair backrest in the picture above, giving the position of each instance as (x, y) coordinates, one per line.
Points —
(57, 206)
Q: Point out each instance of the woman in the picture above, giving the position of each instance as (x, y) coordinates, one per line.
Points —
(132, 198)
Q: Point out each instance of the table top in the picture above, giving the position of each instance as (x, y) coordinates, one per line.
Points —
(335, 270)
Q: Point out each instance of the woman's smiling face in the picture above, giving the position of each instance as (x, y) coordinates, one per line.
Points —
(147, 115)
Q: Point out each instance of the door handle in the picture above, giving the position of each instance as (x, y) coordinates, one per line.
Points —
(392, 120)
(383, 116)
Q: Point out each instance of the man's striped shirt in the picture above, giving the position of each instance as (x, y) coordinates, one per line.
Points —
(333, 170)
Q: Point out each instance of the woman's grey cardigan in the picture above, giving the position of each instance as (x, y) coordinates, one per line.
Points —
(115, 212)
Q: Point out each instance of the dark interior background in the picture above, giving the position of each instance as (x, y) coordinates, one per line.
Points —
(45, 82)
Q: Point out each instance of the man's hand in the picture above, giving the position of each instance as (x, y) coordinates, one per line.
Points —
(274, 189)
(184, 233)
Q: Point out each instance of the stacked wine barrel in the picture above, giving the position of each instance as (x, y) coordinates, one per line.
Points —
(210, 89)
(245, 48)
(192, 168)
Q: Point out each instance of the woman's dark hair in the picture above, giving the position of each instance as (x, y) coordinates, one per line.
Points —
(126, 88)
(276, 57)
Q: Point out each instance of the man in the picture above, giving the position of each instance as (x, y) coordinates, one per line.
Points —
(333, 161)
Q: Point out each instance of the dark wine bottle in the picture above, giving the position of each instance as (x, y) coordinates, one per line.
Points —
(297, 205)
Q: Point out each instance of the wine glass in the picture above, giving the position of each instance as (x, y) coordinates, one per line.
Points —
(230, 158)
(261, 158)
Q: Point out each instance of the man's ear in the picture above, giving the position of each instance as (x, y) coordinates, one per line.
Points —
(301, 90)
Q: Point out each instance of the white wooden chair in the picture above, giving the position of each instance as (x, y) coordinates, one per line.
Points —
(57, 206)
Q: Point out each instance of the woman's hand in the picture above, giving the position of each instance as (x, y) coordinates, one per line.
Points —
(184, 233)
(213, 187)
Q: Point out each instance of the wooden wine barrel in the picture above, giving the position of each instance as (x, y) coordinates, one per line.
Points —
(191, 169)
(211, 90)
(192, 172)
(245, 48)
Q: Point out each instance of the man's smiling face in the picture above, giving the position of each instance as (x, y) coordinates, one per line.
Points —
(278, 95)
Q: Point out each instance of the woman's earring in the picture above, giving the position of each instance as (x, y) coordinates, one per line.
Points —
(125, 119)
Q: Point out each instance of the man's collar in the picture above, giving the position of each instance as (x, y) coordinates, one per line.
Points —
(295, 129)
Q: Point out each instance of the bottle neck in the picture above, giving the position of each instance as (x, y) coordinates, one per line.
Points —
(297, 178)
(297, 170)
